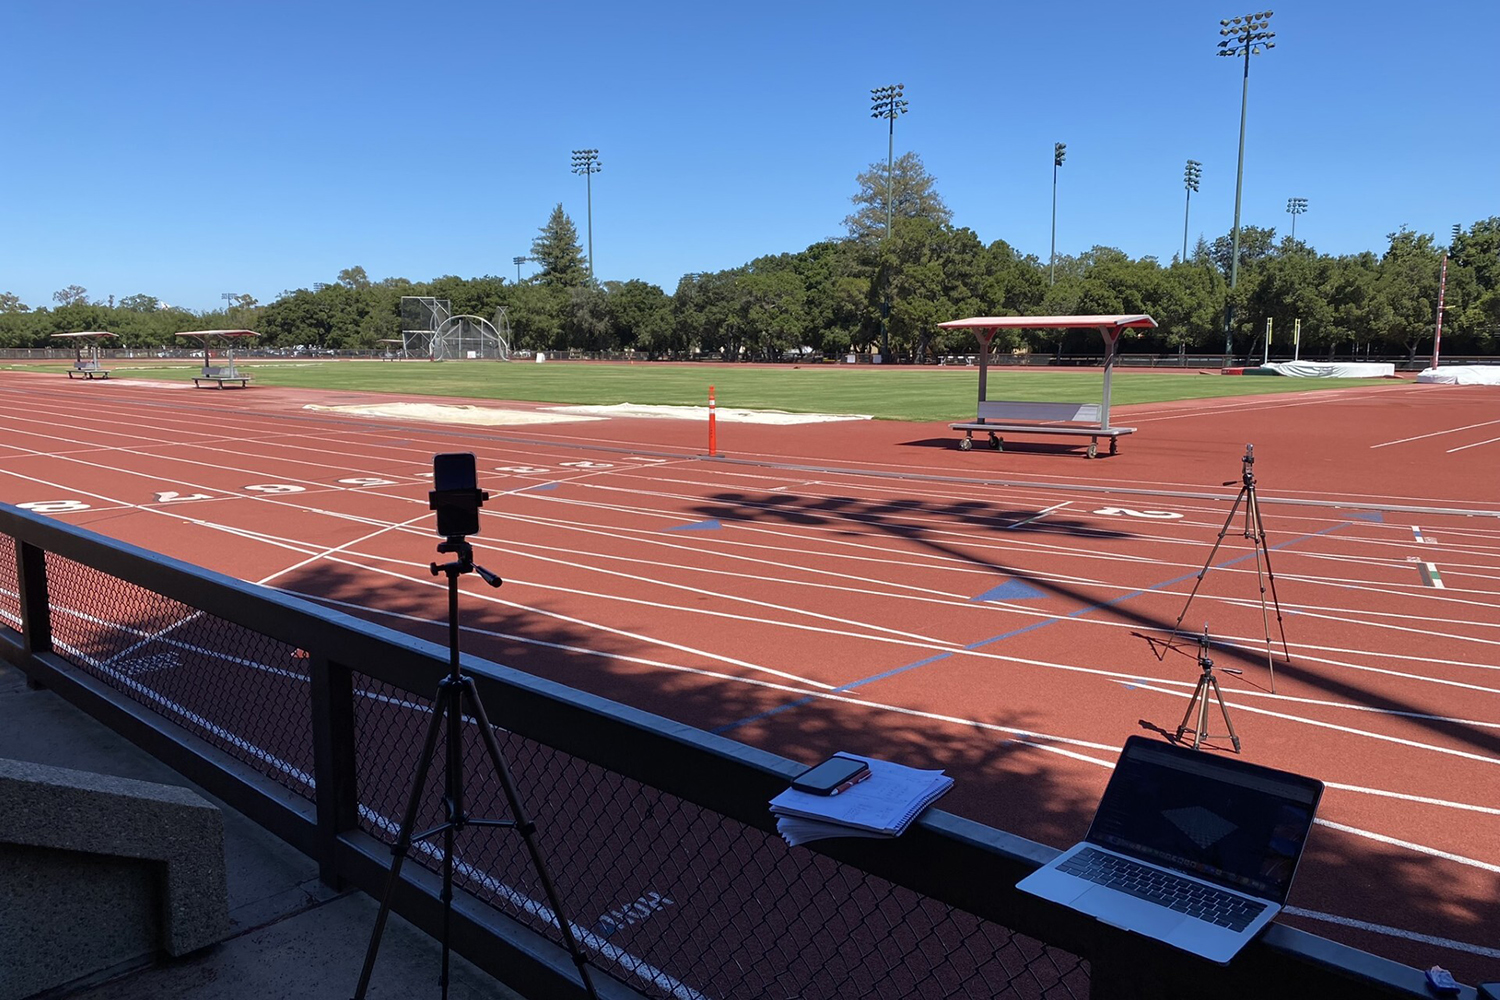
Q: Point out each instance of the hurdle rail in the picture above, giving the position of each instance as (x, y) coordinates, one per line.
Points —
(146, 644)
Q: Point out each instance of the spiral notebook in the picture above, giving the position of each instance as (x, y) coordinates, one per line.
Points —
(883, 806)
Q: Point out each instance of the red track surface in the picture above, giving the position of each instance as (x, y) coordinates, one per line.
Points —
(825, 594)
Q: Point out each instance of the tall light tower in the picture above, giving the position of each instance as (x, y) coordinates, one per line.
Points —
(518, 261)
(586, 162)
(1190, 178)
(228, 298)
(1243, 36)
(887, 102)
(1059, 153)
(1296, 206)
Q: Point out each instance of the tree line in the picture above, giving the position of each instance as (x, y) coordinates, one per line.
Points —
(832, 297)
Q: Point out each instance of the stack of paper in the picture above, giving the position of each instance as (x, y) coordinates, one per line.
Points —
(883, 805)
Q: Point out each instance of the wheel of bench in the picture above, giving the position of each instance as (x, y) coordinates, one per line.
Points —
(1114, 446)
(1093, 448)
(995, 442)
(967, 444)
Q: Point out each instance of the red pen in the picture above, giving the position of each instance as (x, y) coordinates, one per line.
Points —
(851, 782)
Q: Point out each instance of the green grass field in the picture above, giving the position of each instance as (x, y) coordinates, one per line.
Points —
(888, 393)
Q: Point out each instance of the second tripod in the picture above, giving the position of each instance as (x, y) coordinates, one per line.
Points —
(1255, 532)
(1208, 685)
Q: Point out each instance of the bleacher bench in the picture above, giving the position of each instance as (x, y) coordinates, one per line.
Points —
(88, 369)
(997, 416)
(221, 376)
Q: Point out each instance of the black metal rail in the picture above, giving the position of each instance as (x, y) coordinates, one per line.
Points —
(658, 835)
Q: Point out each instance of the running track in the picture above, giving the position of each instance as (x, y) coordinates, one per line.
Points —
(868, 587)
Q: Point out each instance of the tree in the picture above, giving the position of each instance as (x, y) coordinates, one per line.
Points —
(913, 196)
(354, 277)
(556, 249)
(11, 303)
(1256, 244)
(72, 295)
(140, 303)
(643, 318)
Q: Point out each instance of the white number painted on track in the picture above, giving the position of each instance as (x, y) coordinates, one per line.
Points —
(521, 469)
(586, 465)
(276, 488)
(54, 506)
(172, 496)
(1159, 515)
(367, 481)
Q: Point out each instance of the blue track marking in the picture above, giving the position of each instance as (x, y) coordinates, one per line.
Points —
(1089, 609)
(1011, 590)
(709, 525)
(538, 489)
(1364, 515)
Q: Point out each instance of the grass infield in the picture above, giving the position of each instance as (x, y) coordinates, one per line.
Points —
(896, 393)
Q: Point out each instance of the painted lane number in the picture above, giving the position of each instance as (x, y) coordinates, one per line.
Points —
(367, 481)
(1159, 515)
(172, 496)
(276, 488)
(54, 506)
(586, 465)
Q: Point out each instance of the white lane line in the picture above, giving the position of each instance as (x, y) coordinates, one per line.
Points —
(1037, 516)
(1365, 925)
(1476, 444)
(1419, 848)
(1425, 800)
(1421, 437)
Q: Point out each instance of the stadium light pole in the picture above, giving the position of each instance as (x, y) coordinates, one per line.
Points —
(586, 162)
(1059, 153)
(887, 102)
(518, 261)
(1296, 206)
(228, 298)
(1243, 36)
(1190, 178)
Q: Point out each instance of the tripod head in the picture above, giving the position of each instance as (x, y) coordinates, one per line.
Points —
(457, 499)
(1247, 468)
(1204, 661)
(459, 546)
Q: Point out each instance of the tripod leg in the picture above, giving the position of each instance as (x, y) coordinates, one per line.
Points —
(403, 841)
(1219, 695)
(1206, 564)
(453, 807)
(527, 830)
(1275, 601)
(1192, 704)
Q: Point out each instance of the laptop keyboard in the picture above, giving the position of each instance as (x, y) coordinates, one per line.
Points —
(1181, 894)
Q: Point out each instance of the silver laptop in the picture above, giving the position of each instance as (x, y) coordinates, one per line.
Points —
(1187, 847)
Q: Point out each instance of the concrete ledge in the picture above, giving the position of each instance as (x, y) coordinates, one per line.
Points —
(97, 871)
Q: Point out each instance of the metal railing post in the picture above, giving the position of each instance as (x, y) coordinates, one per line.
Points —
(336, 794)
(36, 611)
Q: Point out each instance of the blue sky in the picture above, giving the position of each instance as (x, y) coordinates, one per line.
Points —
(188, 149)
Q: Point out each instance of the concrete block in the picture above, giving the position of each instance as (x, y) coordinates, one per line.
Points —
(96, 871)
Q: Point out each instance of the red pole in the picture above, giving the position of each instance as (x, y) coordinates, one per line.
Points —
(1437, 334)
(713, 431)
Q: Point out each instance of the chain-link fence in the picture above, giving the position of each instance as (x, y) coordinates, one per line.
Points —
(10, 588)
(243, 692)
(681, 901)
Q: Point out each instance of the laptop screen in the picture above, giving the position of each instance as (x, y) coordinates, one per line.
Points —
(1226, 821)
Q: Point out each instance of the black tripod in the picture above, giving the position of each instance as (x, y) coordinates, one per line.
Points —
(456, 694)
(1207, 683)
(1255, 531)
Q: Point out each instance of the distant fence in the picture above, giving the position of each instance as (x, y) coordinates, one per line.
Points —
(658, 836)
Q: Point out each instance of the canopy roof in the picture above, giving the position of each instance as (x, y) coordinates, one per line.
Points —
(219, 333)
(86, 333)
(1035, 322)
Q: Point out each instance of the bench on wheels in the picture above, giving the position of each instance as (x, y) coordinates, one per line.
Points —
(998, 416)
(224, 341)
(221, 375)
(86, 344)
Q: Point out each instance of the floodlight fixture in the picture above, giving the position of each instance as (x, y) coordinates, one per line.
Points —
(1191, 175)
(586, 162)
(1059, 153)
(1295, 206)
(889, 103)
(1249, 36)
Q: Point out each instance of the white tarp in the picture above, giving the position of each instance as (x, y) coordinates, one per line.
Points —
(1462, 375)
(1332, 369)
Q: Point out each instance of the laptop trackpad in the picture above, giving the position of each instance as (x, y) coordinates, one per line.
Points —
(1128, 912)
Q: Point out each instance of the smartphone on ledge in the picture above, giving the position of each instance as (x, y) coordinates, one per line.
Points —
(834, 775)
